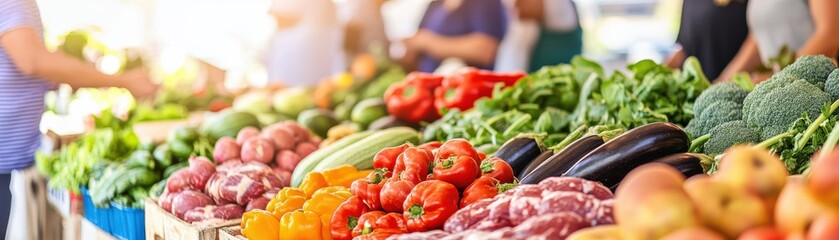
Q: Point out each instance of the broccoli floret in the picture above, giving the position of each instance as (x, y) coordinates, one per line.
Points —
(813, 69)
(761, 89)
(718, 113)
(727, 91)
(831, 86)
(693, 128)
(729, 134)
(775, 110)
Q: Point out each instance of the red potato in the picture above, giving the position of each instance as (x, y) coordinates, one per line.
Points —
(285, 176)
(245, 134)
(188, 200)
(300, 133)
(262, 201)
(305, 148)
(281, 138)
(226, 149)
(257, 149)
(194, 177)
(210, 212)
(287, 160)
(165, 200)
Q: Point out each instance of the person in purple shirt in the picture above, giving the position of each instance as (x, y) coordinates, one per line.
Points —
(470, 30)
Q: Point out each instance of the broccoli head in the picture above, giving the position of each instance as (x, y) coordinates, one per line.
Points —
(729, 134)
(693, 128)
(718, 113)
(727, 91)
(773, 112)
(761, 89)
(813, 69)
(831, 86)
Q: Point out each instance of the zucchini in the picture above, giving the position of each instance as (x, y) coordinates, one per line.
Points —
(307, 164)
(360, 154)
(519, 151)
(564, 160)
(163, 156)
(120, 181)
(689, 164)
(610, 162)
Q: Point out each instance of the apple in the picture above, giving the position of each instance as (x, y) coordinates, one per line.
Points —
(823, 181)
(762, 233)
(724, 208)
(796, 208)
(651, 203)
(754, 170)
(605, 232)
(694, 233)
(825, 227)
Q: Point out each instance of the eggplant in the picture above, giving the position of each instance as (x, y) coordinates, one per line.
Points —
(519, 152)
(535, 163)
(687, 163)
(557, 164)
(610, 162)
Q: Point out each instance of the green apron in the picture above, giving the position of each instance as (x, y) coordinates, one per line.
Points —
(554, 48)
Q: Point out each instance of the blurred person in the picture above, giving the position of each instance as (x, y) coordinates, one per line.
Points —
(807, 27)
(363, 26)
(307, 46)
(27, 71)
(470, 30)
(541, 33)
(712, 31)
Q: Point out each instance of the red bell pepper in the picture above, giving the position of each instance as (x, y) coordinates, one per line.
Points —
(483, 187)
(456, 148)
(434, 145)
(459, 171)
(366, 223)
(394, 193)
(346, 218)
(461, 90)
(395, 221)
(368, 189)
(386, 158)
(429, 205)
(497, 168)
(413, 164)
(412, 100)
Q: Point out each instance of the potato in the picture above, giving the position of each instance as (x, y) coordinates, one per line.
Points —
(226, 148)
(257, 149)
(300, 133)
(305, 148)
(280, 137)
(287, 160)
(753, 170)
(245, 134)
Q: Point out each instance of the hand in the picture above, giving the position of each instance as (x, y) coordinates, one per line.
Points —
(138, 83)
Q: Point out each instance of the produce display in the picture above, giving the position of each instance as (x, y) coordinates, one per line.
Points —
(791, 113)
(556, 100)
(304, 212)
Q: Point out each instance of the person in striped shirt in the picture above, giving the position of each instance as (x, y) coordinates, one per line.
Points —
(27, 71)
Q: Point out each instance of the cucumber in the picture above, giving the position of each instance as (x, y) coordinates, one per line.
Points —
(307, 164)
(360, 154)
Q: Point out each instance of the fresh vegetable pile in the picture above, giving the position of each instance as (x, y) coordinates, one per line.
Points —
(750, 197)
(305, 212)
(792, 112)
(184, 142)
(559, 99)
(553, 209)
(416, 189)
(282, 146)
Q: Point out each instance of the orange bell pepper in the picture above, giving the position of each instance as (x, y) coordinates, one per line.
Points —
(324, 204)
(301, 225)
(340, 175)
(260, 225)
(287, 200)
(312, 182)
(337, 190)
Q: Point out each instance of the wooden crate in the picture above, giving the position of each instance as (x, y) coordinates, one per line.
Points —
(162, 225)
(231, 233)
(91, 231)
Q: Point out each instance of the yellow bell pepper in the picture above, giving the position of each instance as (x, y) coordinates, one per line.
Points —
(312, 182)
(300, 225)
(287, 200)
(260, 225)
(340, 176)
(324, 204)
(337, 190)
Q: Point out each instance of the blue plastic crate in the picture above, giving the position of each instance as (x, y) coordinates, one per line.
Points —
(128, 223)
(101, 217)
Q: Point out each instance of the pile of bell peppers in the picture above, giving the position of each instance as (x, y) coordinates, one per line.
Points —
(417, 188)
(304, 212)
(422, 97)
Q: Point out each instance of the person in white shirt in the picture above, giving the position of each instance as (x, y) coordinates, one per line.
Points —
(541, 33)
(308, 44)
